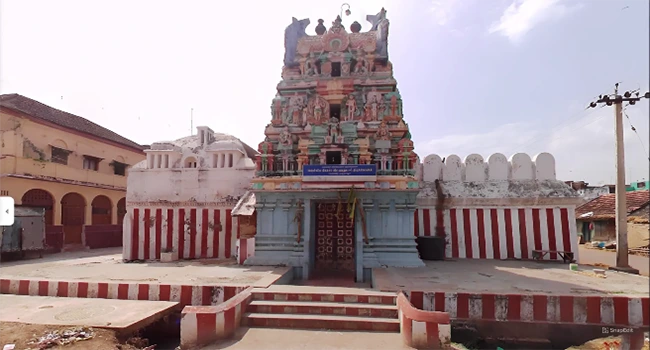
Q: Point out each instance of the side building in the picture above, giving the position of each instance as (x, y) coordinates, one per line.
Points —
(180, 199)
(70, 166)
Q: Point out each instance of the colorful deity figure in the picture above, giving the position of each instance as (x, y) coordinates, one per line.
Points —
(351, 104)
(382, 133)
(285, 137)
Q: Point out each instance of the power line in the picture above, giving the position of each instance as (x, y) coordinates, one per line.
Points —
(637, 134)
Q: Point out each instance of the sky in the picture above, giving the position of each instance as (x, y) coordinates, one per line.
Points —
(476, 76)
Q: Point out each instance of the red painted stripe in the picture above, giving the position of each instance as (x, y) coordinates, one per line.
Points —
(229, 293)
(514, 307)
(407, 330)
(229, 318)
(462, 305)
(147, 233)
(433, 338)
(440, 220)
(102, 290)
(496, 248)
(158, 233)
(480, 218)
(539, 307)
(488, 303)
(645, 308)
(206, 295)
(417, 299)
(170, 229)
(468, 234)
(228, 232)
(550, 223)
(238, 229)
(439, 300)
(123, 291)
(621, 311)
(143, 291)
(204, 233)
(416, 227)
(4, 286)
(593, 310)
(165, 292)
(537, 229)
(181, 233)
(523, 238)
(186, 295)
(217, 230)
(135, 234)
(62, 290)
(566, 309)
(192, 233)
(43, 287)
(82, 290)
(510, 241)
(454, 234)
(243, 250)
(206, 327)
(427, 222)
(566, 232)
(23, 287)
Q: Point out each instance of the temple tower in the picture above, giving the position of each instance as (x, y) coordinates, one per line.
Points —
(335, 182)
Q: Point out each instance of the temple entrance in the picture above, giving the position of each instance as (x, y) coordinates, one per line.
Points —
(334, 242)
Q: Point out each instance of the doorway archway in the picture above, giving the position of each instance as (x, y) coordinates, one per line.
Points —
(73, 209)
(41, 199)
(101, 209)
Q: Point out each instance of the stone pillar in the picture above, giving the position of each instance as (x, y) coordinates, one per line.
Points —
(88, 219)
(57, 211)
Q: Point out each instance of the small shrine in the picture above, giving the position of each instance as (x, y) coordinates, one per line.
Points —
(335, 181)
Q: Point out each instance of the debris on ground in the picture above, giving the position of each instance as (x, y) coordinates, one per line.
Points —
(63, 337)
(608, 343)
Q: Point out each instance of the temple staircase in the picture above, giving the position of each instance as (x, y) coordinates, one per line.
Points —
(328, 308)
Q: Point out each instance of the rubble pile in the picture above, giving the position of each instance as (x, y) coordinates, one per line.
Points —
(64, 337)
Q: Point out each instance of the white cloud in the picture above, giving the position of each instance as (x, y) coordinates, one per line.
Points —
(583, 149)
(523, 15)
(444, 11)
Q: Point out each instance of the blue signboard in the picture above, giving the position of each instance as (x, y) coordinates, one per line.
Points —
(340, 170)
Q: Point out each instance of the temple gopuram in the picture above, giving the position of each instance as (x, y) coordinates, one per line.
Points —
(335, 184)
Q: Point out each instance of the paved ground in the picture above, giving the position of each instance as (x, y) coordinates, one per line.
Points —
(508, 276)
(597, 256)
(294, 339)
(100, 313)
(106, 265)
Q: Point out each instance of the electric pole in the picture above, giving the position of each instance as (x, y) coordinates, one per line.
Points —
(622, 261)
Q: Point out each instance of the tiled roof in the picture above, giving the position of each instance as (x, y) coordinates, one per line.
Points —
(604, 207)
(67, 120)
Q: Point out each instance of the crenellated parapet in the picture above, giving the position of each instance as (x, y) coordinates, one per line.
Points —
(474, 168)
(520, 178)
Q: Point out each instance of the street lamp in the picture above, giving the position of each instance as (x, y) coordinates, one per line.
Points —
(347, 11)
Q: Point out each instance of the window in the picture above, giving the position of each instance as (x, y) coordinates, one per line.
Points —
(335, 111)
(190, 162)
(230, 160)
(333, 157)
(119, 168)
(60, 155)
(91, 163)
(336, 69)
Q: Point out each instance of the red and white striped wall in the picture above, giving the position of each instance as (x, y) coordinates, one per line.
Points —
(245, 249)
(501, 233)
(193, 232)
(202, 325)
(423, 329)
(184, 294)
(595, 310)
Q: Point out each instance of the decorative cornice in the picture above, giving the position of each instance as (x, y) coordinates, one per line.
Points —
(160, 204)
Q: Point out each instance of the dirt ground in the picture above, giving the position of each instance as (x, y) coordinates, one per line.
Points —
(602, 344)
(22, 334)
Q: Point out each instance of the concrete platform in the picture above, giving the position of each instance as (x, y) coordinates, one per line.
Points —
(105, 265)
(506, 276)
(124, 316)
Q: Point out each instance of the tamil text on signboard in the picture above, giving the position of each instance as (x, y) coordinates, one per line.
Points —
(340, 170)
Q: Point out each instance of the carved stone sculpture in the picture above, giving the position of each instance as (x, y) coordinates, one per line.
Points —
(292, 33)
(380, 24)
(285, 137)
(351, 105)
(382, 133)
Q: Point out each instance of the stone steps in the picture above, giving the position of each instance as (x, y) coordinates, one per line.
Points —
(322, 308)
(328, 322)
